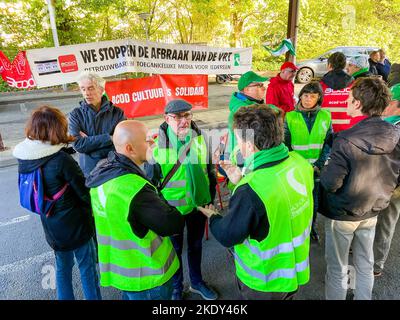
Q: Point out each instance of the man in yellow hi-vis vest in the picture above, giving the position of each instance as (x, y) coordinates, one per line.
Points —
(132, 222)
(270, 212)
(185, 187)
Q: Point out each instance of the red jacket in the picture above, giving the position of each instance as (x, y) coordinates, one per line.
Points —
(281, 94)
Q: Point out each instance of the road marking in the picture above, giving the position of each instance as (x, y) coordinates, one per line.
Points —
(15, 220)
(22, 264)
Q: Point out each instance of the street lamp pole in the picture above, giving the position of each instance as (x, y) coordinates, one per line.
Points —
(54, 29)
(145, 16)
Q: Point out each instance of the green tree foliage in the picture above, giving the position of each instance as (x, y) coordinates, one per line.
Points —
(322, 25)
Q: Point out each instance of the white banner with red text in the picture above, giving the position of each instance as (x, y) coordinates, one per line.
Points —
(54, 66)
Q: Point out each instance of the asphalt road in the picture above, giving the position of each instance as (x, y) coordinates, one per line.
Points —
(27, 262)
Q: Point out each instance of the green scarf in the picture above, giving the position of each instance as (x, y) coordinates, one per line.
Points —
(198, 185)
(355, 74)
(393, 119)
(265, 156)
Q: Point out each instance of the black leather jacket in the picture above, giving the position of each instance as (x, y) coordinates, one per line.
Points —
(362, 172)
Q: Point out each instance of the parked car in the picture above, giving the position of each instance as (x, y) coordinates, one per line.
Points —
(226, 78)
(317, 67)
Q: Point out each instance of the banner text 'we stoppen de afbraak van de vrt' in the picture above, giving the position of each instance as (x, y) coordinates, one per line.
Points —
(55, 66)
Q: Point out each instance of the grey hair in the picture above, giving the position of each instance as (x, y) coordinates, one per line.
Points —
(94, 77)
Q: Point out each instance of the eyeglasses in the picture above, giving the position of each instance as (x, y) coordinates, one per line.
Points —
(258, 84)
(179, 117)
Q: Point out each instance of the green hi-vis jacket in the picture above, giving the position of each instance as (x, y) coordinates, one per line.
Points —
(280, 262)
(126, 261)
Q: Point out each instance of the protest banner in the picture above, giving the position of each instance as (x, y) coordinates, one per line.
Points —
(53, 66)
(17, 73)
(148, 96)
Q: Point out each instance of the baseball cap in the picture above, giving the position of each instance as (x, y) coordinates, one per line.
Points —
(395, 90)
(248, 78)
(290, 65)
(359, 61)
(177, 105)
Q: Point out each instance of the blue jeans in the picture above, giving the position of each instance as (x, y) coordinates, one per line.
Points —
(86, 258)
(195, 224)
(163, 292)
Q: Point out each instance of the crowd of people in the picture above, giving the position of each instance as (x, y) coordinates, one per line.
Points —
(290, 161)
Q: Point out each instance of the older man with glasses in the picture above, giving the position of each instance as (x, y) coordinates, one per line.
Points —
(280, 90)
(251, 92)
(185, 177)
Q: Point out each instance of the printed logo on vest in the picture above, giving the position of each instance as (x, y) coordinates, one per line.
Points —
(297, 186)
(102, 199)
(323, 124)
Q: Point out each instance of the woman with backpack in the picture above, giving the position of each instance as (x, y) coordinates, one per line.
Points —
(52, 185)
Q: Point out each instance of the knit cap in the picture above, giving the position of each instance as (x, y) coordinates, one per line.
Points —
(359, 61)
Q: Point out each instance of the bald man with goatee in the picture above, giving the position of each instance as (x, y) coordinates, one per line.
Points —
(132, 222)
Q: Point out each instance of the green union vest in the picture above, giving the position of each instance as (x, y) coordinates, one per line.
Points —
(126, 261)
(280, 262)
(177, 191)
(308, 144)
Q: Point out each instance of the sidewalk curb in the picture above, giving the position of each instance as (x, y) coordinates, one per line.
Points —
(8, 162)
(5, 100)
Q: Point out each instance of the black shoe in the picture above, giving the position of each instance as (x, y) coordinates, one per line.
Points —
(314, 236)
(205, 291)
(177, 294)
(377, 273)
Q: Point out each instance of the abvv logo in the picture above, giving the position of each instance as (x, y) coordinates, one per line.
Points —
(68, 63)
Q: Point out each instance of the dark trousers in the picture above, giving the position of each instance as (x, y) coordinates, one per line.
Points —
(316, 199)
(195, 223)
(247, 293)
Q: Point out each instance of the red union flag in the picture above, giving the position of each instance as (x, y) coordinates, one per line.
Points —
(18, 73)
(148, 96)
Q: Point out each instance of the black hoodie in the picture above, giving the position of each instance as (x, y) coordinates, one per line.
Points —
(337, 79)
(147, 210)
(363, 171)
